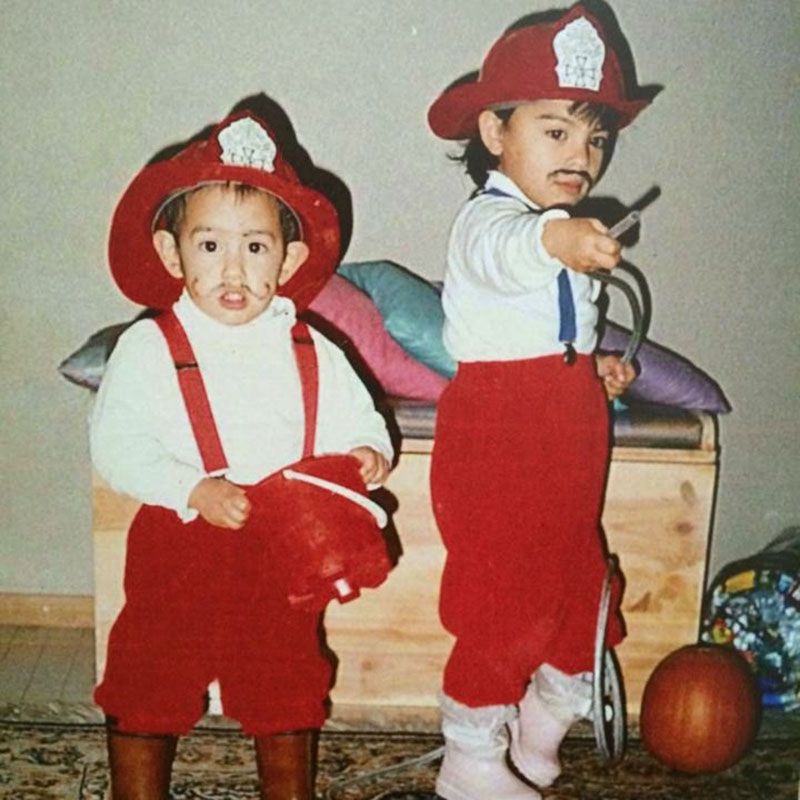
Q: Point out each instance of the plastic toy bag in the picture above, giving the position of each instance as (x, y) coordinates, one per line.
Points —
(754, 605)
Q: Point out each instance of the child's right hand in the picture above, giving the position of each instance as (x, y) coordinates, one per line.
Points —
(581, 244)
(220, 502)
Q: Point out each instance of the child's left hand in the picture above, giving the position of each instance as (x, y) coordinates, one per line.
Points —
(374, 466)
(616, 375)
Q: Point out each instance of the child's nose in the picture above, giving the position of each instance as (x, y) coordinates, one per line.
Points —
(233, 266)
(580, 155)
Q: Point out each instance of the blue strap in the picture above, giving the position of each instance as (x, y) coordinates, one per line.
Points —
(567, 329)
(566, 307)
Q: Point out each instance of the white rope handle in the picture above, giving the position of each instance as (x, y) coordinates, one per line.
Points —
(380, 515)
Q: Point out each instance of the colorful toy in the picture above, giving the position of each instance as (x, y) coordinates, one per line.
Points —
(700, 709)
(754, 605)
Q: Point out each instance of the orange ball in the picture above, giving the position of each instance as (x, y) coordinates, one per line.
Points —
(700, 709)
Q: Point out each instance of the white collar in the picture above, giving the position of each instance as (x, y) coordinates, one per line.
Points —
(500, 181)
(278, 315)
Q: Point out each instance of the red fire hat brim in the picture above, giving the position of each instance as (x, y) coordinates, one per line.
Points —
(135, 264)
(519, 68)
(454, 115)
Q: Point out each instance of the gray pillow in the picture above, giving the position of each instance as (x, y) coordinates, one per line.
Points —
(88, 363)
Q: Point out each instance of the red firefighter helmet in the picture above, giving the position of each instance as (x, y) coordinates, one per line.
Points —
(322, 528)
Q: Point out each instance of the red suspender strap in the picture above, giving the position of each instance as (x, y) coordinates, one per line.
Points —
(194, 393)
(306, 356)
(195, 396)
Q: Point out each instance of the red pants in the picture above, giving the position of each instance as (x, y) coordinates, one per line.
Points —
(519, 469)
(202, 603)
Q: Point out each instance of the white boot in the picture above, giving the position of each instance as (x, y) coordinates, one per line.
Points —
(474, 765)
(552, 703)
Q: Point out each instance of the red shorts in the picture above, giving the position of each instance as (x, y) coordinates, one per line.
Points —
(202, 603)
(519, 468)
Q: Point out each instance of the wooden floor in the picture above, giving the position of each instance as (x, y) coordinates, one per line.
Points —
(43, 665)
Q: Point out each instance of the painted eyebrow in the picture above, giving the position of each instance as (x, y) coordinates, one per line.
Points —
(570, 121)
(555, 118)
(252, 232)
(261, 232)
(201, 229)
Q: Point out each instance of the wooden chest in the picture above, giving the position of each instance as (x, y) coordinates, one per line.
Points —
(390, 645)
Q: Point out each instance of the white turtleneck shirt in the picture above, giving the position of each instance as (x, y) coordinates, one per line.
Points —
(141, 439)
(500, 293)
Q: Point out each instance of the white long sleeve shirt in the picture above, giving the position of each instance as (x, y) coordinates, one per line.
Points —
(140, 435)
(500, 293)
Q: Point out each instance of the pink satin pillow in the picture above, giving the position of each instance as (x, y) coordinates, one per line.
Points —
(355, 324)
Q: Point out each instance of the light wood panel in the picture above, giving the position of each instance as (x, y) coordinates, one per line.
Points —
(46, 610)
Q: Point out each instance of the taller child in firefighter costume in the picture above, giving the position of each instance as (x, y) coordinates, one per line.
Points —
(196, 409)
(522, 436)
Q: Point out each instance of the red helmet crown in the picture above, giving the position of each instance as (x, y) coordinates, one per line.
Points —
(240, 149)
(569, 59)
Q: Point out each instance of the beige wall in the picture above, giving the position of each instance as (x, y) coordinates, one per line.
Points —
(91, 90)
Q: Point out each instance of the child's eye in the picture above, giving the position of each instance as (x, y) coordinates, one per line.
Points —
(556, 134)
(208, 246)
(600, 142)
(256, 247)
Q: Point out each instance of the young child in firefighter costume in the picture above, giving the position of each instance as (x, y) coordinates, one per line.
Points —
(522, 437)
(199, 412)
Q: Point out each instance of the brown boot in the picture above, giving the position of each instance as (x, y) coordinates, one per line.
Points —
(287, 765)
(141, 765)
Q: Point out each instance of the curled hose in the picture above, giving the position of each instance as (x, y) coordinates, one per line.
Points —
(637, 325)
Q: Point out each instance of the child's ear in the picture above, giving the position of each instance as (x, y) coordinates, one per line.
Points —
(296, 255)
(491, 129)
(167, 249)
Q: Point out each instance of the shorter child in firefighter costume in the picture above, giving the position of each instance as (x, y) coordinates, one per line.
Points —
(199, 413)
(522, 437)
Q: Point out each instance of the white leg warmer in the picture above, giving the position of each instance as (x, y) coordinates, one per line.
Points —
(474, 765)
(552, 703)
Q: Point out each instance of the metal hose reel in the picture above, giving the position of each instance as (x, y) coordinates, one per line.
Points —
(608, 706)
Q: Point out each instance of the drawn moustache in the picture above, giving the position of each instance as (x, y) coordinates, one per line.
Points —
(244, 288)
(570, 172)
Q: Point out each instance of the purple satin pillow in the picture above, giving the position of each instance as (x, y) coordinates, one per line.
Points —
(665, 377)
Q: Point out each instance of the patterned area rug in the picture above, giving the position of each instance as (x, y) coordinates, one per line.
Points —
(68, 762)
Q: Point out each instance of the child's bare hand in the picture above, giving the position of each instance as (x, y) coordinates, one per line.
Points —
(220, 503)
(617, 376)
(581, 244)
(374, 466)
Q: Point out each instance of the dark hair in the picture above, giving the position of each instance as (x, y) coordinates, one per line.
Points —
(175, 209)
(477, 160)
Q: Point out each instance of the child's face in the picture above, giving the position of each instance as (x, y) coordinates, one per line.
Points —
(554, 156)
(230, 253)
